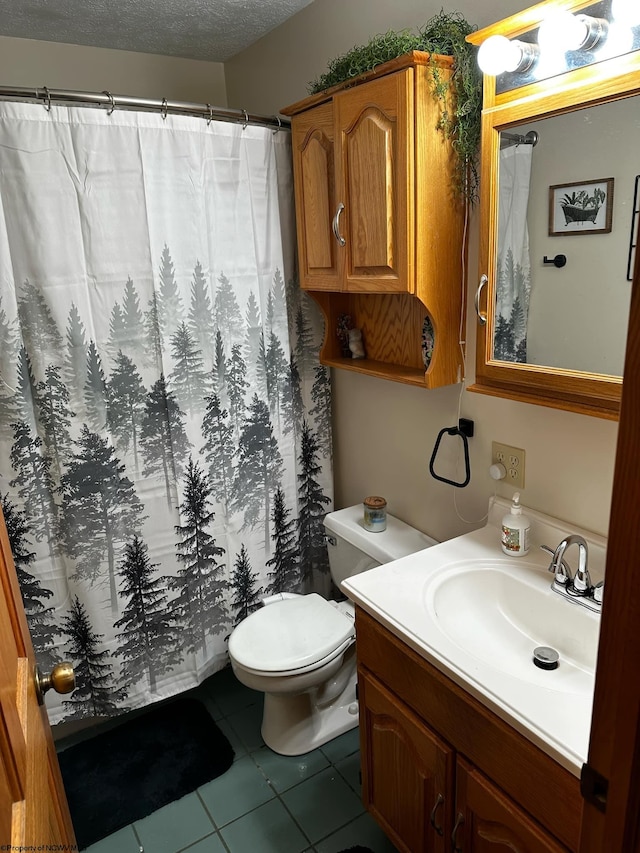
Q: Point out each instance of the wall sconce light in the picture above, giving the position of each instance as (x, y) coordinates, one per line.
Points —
(498, 54)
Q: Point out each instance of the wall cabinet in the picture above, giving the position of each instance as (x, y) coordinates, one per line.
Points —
(380, 228)
(441, 772)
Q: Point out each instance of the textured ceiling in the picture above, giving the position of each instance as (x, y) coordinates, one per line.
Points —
(213, 30)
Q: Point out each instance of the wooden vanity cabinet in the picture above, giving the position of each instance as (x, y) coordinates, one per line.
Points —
(380, 228)
(437, 765)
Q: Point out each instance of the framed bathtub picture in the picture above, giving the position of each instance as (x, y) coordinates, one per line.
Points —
(581, 207)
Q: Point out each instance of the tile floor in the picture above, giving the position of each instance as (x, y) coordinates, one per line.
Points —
(265, 803)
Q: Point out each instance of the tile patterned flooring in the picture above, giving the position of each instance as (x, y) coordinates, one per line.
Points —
(265, 802)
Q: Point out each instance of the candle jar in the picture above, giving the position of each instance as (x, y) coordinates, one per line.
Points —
(375, 514)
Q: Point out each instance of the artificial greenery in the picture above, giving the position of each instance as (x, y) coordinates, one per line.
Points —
(443, 34)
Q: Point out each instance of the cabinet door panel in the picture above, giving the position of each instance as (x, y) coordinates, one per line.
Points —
(375, 171)
(407, 770)
(490, 823)
(314, 169)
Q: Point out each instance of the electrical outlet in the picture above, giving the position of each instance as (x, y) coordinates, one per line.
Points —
(513, 460)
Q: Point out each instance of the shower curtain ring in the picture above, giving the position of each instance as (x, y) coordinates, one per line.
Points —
(164, 108)
(210, 119)
(47, 106)
(277, 118)
(246, 119)
(111, 100)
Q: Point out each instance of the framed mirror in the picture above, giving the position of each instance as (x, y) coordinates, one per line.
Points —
(559, 166)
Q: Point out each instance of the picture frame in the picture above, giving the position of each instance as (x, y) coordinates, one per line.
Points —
(581, 207)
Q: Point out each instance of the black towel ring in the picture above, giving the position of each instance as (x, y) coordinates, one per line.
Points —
(465, 431)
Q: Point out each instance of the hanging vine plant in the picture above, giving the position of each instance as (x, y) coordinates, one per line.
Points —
(461, 94)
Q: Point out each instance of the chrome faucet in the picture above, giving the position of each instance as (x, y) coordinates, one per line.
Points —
(577, 587)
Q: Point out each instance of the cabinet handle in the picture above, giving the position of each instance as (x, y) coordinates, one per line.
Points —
(454, 843)
(432, 816)
(336, 225)
(482, 318)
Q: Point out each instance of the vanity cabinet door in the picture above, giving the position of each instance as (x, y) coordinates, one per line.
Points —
(407, 772)
(316, 206)
(375, 177)
(486, 821)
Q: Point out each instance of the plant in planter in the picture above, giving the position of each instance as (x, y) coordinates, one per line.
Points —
(444, 34)
(582, 207)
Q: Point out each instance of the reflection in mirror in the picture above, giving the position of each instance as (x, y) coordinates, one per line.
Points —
(573, 316)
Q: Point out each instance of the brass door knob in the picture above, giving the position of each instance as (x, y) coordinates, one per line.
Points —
(61, 678)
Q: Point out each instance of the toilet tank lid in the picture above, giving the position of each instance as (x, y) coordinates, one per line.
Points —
(398, 540)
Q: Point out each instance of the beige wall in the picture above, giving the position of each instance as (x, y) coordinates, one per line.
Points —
(384, 432)
(26, 62)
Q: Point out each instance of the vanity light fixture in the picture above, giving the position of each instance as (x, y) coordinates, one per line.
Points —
(594, 38)
(498, 54)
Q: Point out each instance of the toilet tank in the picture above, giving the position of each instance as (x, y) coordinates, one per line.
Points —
(352, 549)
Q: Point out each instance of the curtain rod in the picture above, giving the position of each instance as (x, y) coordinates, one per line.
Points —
(507, 138)
(128, 102)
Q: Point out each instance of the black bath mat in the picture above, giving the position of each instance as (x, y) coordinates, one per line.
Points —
(128, 772)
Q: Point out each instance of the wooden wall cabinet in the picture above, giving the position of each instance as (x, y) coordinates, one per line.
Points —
(441, 772)
(380, 228)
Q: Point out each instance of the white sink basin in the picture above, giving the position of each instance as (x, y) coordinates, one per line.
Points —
(499, 613)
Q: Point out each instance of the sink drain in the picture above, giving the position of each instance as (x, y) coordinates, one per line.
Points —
(545, 657)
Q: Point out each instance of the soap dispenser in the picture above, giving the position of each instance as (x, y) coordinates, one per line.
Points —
(515, 530)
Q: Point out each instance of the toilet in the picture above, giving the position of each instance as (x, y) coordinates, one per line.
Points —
(299, 650)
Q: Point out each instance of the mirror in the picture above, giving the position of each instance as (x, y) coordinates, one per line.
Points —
(566, 347)
(572, 316)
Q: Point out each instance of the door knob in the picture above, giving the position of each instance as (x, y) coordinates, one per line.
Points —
(61, 678)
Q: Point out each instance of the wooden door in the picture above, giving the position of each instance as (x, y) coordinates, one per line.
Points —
(488, 822)
(375, 175)
(33, 808)
(319, 252)
(614, 746)
(407, 772)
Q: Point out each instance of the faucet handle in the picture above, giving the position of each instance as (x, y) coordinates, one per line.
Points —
(562, 572)
(598, 592)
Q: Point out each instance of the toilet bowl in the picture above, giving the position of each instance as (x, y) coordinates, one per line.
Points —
(300, 649)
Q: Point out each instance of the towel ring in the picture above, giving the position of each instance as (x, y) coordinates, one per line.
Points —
(464, 430)
(112, 104)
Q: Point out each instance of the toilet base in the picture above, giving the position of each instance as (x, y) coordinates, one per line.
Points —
(296, 724)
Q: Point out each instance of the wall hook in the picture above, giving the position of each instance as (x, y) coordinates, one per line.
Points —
(558, 261)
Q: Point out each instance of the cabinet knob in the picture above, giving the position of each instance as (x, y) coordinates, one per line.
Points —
(336, 225)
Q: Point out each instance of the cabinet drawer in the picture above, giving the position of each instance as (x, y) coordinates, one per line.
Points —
(526, 774)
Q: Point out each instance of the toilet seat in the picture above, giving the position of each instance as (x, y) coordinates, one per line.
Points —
(291, 636)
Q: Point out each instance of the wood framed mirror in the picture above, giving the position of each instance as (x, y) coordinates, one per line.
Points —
(554, 285)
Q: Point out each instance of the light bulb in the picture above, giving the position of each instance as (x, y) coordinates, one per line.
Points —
(626, 12)
(498, 54)
(561, 31)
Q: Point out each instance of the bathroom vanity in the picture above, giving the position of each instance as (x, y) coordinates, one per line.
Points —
(465, 744)
(434, 759)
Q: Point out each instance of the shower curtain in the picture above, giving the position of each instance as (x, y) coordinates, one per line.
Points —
(165, 434)
(514, 267)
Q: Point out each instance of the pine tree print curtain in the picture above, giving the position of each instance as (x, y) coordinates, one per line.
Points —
(165, 434)
(514, 267)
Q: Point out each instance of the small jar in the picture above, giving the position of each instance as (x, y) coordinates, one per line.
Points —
(375, 514)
